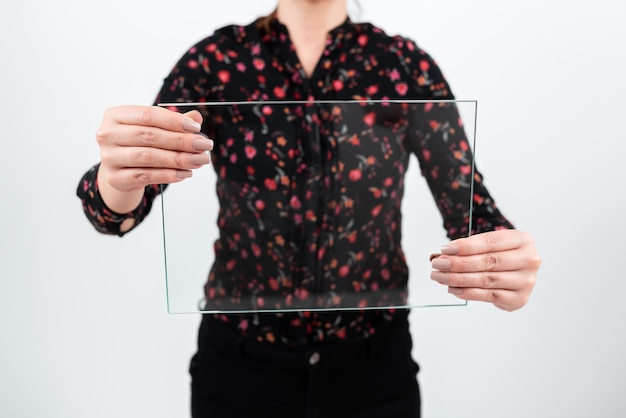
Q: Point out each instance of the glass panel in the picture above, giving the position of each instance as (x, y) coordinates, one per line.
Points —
(300, 209)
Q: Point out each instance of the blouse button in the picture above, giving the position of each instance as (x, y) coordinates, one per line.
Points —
(314, 359)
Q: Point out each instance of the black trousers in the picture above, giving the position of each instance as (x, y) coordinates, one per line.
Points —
(233, 377)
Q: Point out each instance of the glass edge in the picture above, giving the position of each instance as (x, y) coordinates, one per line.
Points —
(281, 311)
(291, 102)
(271, 102)
(163, 234)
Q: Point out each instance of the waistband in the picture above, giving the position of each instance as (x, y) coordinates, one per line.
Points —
(388, 336)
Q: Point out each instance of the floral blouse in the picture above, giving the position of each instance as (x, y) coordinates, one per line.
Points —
(310, 191)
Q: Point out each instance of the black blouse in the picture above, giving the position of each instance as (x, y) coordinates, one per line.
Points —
(310, 191)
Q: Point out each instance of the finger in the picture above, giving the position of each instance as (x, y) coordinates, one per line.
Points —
(507, 300)
(154, 116)
(485, 262)
(195, 115)
(145, 157)
(147, 136)
(508, 280)
(493, 241)
(137, 178)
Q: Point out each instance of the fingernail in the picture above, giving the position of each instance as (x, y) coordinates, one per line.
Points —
(441, 264)
(183, 174)
(200, 159)
(440, 277)
(450, 249)
(191, 125)
(455, 290)
(202, 144)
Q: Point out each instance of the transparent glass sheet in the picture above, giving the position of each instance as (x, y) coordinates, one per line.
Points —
(310, 197)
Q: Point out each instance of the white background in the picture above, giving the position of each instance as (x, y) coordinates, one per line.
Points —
(83, 326)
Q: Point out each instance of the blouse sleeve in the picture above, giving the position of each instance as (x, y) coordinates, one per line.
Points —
(437, 137)
(186, 83)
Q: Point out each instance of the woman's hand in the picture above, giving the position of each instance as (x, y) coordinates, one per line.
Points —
(142, 145)
(498, 267)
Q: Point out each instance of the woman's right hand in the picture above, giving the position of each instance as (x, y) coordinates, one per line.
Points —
(142, 145)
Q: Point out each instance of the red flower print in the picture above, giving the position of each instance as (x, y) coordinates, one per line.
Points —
(295, 202)
(465, 169)
(241, 67)
(402, 88)
(355, 175)
(394, 75)
(301, 293)
(362, 39)
(426, 155)
(376, 210)
(376, 192)
(279, 92)
(259, 204)
(337, 85)
(369, 119)
(372, 90)
(424, 65)
(273, 283)
(224, 76)
(250, 151)
(193, 64)
(464, 145)
(270, 184)
(259, 64)
(343, 271)
(310, 215)
(267, 110)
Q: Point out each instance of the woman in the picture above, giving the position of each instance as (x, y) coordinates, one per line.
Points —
(311, 364)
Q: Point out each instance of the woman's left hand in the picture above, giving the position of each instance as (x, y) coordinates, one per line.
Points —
(499, 267)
